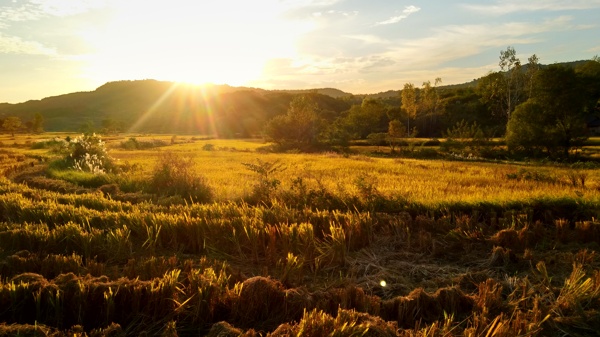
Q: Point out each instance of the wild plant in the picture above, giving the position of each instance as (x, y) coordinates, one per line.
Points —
(174, 175)
(88, 153)
(266, 185)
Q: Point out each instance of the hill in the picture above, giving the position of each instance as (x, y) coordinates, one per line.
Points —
(165, 107)
(169, 107)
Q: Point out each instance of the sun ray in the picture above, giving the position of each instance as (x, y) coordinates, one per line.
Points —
(148, 113)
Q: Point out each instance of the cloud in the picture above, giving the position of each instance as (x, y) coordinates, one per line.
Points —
(25, 12)
(63, 8)
(501, 7)
(15, 45)
(38, 9)
(388, 63)
(368, 39)
(408, 10)
(455, 42)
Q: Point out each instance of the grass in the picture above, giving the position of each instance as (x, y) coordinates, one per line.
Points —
(340, 245)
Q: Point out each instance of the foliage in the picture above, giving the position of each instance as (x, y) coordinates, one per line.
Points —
(134, 144)
(300, 128)
(554, 117)
(174, 174)
(266, 185)
(88, 153)
(12, 124)
(526, 130)
(409, 102)
(396, 131)
(368, 117)
(37, 123)
(464, 136)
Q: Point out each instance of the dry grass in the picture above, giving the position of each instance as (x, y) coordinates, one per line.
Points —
(412, 248)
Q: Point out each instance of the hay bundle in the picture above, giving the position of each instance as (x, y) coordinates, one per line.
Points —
(454, 301)
(588, 231)
(297, 300)
(489, 296)
(507, 238)
(417, 306)
(224, 329)
(501, 257)
(353, 297)
(261, 304)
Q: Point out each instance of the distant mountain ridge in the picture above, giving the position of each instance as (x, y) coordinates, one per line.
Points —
(166, 107)
(170, 107)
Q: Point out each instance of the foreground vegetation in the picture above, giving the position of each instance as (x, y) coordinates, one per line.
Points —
(192, 236)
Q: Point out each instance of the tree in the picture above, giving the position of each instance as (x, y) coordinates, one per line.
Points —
(428, 103)
(527, 129)
(377, 139)
(504, 90)
(369, 117)
(37, 125)
(299, 128)
(396, 131)
(409, 101)
(510, 66)
(554, 117)
(11, 124)
(533, 66)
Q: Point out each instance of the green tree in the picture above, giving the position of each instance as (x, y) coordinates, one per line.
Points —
(369, 117)
(299, 128)
(510, 66)
(554, 116)
(504, 90)
(428, 106)
(396, 131)
(533, 66)
(377, 139)
(589, 72)
(527, 129)
(409, 102)
(38, 123)
(12, 124)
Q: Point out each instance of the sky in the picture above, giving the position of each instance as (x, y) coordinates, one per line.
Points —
(53, 47)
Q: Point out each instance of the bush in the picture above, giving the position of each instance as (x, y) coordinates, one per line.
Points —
(266, 185)
(174, 175)
(134, 144)
(88, 153)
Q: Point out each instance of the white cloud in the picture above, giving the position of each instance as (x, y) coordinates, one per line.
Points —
(405, 14)
(25, 12)
(459, 41)
(368, 39)
(63, 8)
(15, 45)
(412, 60)
(37, 9)
(501, 7)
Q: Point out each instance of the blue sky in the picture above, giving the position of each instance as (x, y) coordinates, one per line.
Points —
(52, 47)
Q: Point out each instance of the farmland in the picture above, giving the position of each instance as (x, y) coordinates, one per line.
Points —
(294, 244)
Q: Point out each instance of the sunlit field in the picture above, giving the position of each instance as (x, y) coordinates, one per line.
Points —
(299, 244)
(423, 181)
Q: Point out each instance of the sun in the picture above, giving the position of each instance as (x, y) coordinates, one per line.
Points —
(140, 41)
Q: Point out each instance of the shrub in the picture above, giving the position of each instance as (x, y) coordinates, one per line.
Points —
(134, 144)
(266, 185)
(208, 147)
(88, 153)
(174, 175)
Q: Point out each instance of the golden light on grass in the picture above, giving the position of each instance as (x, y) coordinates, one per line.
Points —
(383, 283)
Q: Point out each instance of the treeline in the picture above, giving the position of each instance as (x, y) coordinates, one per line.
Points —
(304, 119)
(539, 110)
